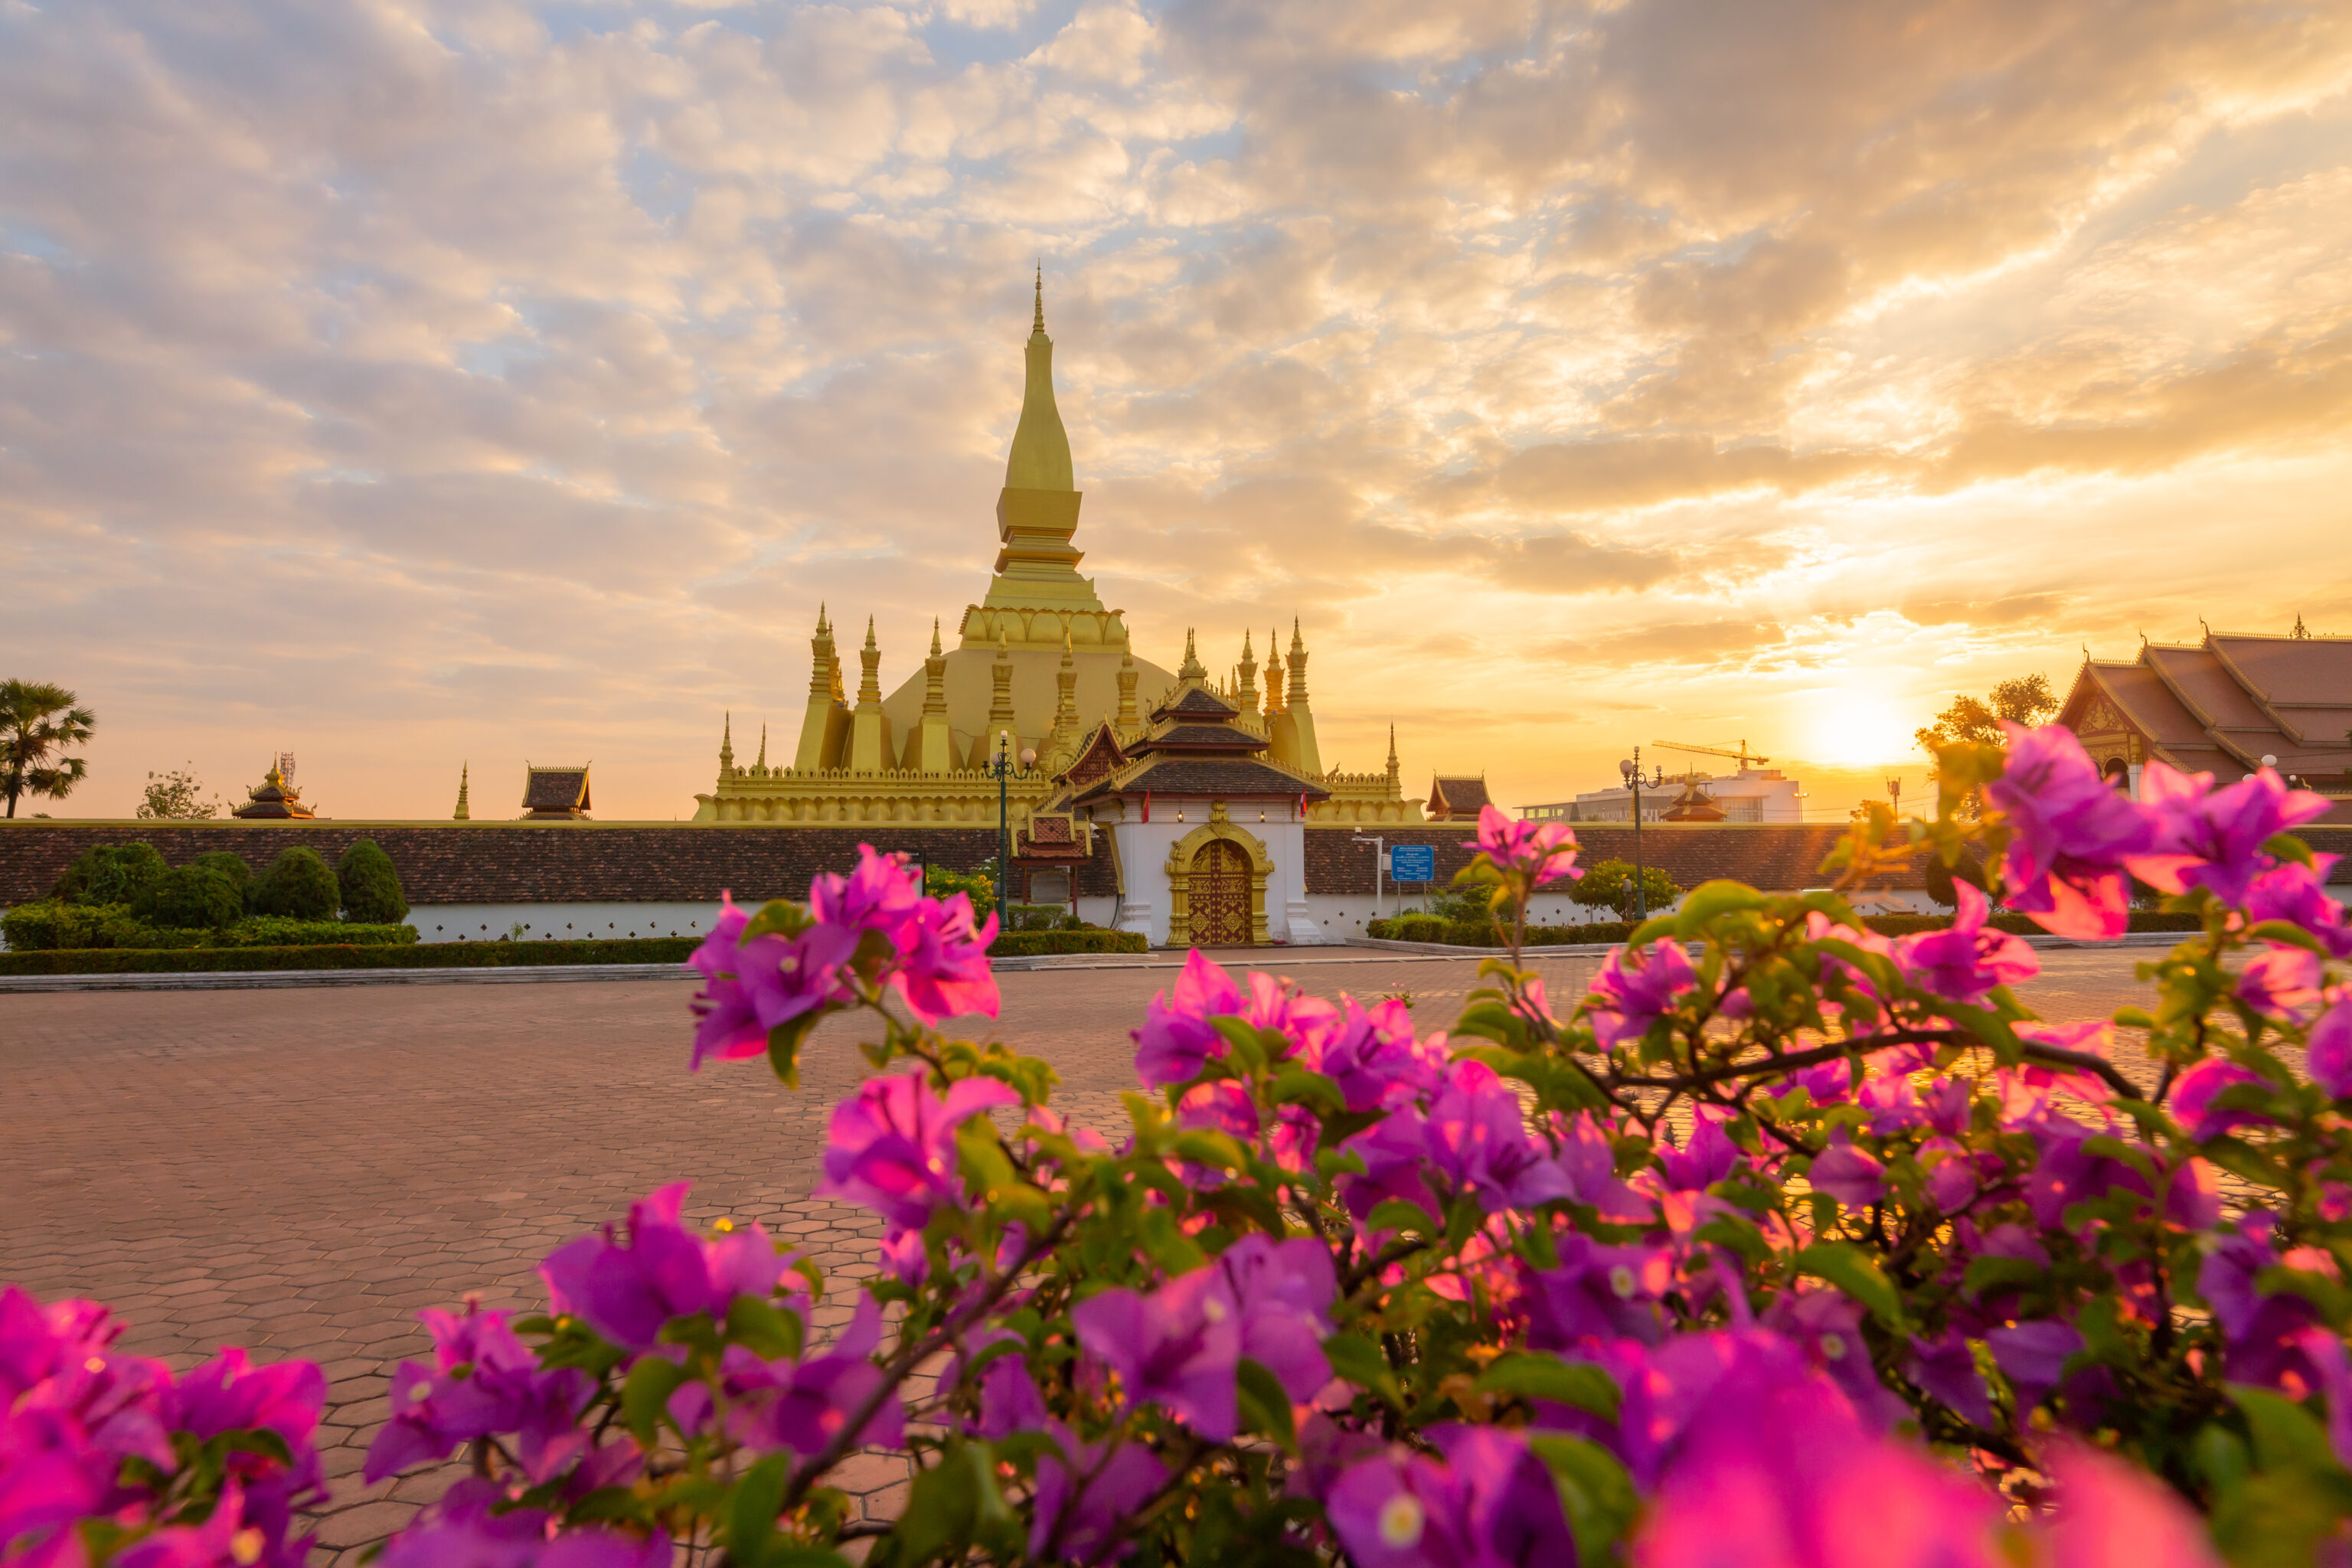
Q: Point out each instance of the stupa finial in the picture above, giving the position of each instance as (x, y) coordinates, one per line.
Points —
(1039, 324)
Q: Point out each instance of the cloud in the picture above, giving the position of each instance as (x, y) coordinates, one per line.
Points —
(405, 384)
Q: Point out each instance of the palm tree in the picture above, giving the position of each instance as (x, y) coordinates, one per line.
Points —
(38, 723)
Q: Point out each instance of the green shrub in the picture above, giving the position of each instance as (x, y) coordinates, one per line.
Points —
(1035, 943)
(371, 885)
(230, 864)
(51, 926)
(408, 955)
(1032, 917)
(299, 886)
(191, 896)
(109, 874)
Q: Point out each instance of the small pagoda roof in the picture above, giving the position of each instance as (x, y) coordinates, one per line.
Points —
(1456, 799)
(275, 798)
(555, 794)
(1229, 778)
(1694, 804)
(1196, 702)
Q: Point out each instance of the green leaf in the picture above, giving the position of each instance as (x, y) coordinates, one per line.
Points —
(1265, 1404)
(2287, 847)
(753, 1509)
(1594, 1490)
(1360, 1361)
(645, 1394)
(1404, 1213)
(1216, 1150)
(1709, 900)
(777, 917)
(784, 1046)
(1243, 1037)
(1531, 1376)
(1990, 1273)
(760, 1327)
(948, 1506)
(1846, 1266)
(1294, 1085)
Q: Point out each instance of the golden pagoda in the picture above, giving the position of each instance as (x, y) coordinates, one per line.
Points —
(274, 797)
(1040, 664)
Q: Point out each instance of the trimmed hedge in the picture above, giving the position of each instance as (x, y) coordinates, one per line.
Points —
(1475, 934)
(47, 926)
(1039, 944)
(432, 955)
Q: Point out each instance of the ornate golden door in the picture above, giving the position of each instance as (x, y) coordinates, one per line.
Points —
(1220, 900)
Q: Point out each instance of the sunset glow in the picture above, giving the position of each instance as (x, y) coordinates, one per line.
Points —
(414, 385)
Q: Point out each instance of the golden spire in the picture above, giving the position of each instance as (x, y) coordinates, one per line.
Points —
(1040, 459)
(935, 637)
(726, 745)
(762, 763)
(461, 813)
(1191, 670)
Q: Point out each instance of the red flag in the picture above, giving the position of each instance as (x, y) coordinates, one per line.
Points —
(1147, 805)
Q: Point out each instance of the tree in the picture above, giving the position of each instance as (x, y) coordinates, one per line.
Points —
(193, 895)
(38, 723)
(2023, 699)
(177, 795)
(1610, 886)
(371, 885)
(109, 874)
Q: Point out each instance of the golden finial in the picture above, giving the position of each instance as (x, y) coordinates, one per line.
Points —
(935, 637)
(1040, 324)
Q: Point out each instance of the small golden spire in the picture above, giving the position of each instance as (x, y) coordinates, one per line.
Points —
(461, 813)
(935, 637)
(1039, 324)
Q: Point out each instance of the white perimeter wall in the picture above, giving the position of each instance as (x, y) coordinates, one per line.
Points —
(488, 922)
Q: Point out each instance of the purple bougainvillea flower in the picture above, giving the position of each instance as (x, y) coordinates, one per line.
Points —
(2259, 1329)
(1009, 1398)
(881, 894)
(1177, 1347)
(2112, 1515)
(1284, 1290)
(1946, 1369)
(1546, 849)
(1371, 1055)
(2296, 894)
(2192, 1195)
(1589, 1160)
(751, 987)
(626, 1291)
(1848, 1175)
(1395, 1152)
(2331, 1367)
(2281, 984)
(1635, 988)
(461, 1530)
(2194, 1096)
(1750, 1485)
(2067, 1172)
(823, 1393)
(1707, 1156)
(1176, 1038)
(2213, 838)
(1491, 1503)
(2032, 1356)
(2070, 834)
(1965, 960)
(2329, 1056)
(1597, 1293)
(1827, 1324)
(891, 1146)
(1476, 1137)
(943, 969)
(485, 1382)
(1083, 1495)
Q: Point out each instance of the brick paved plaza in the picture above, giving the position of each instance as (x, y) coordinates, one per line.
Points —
(298, 1171)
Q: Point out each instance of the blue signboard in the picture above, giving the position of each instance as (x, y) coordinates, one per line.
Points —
(1412, 863)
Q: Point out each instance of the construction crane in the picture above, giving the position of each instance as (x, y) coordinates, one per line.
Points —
(1743, 755)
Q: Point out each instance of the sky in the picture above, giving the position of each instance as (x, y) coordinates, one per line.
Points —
(411, 385)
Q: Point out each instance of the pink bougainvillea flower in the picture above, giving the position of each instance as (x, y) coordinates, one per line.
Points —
(1285, 1291)
(815, 1403)
(943, 969)
(461, 1529)
(1707, 1156)
(1177, 1037)
(2032, 1355)
(1371, 1054)
(1546, 850)
(1491, 1503)
(1967, 959)
(1085, 1491)
(891, 1145)
(1636, 988)
(2194, 1096)
(2111, 1515)
(1177, 1347)
(1598, 1293)
(881, 894)
(2329, 1053)
(1589, 1160)
(2282, 983)
(2295, 893)
(1477, 1136)
(1848, 1175)
(2213, 838)
(2070, 833)
(626, 1290)
(750, 988)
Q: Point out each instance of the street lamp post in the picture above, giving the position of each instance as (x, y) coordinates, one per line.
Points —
(1895, 793)
(1632, 773)
(1003, 765)
(1379, 851)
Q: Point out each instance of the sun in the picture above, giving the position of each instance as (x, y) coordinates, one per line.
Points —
(1852, 727)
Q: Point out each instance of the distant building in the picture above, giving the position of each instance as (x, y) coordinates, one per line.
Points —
(556, 794)
(2225, 706)
(1455, 800)
(274, 797)
(1752, 795)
